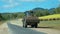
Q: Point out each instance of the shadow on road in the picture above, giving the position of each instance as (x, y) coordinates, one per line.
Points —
(45, 27)
(14, 29)
(41, 27)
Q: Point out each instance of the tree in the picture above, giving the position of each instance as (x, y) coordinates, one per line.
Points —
(41, 12)
(57, 10)
(1, 18)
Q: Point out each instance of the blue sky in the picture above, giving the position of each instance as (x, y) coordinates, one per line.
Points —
(24, 5)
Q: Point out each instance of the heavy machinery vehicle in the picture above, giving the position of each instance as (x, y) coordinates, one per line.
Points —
(30, 19)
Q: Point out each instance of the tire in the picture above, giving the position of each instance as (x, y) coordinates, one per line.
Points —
(36, 25)
(32, 26)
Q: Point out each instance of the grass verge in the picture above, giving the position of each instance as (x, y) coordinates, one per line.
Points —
(52, 24)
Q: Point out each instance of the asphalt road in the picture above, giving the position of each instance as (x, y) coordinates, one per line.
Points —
(15, 29)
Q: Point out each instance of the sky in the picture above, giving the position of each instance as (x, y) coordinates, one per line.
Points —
(11, 6)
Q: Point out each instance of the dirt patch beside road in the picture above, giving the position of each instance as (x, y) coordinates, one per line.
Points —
(3, 28)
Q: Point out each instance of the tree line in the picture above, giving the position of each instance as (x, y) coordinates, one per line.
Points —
(37, 11)
(9, 16)
(43, 12)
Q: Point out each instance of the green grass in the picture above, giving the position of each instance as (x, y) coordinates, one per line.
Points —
(50, 16)
(53, 24)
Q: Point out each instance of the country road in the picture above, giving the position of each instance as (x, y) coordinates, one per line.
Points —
(15, 27)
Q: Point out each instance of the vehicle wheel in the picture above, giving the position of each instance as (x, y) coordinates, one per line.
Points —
(36, 25)
(32, 25)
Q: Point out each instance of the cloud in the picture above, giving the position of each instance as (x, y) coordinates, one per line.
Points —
(9, 3)
(33, 0)
(58, 0)
(14, 3)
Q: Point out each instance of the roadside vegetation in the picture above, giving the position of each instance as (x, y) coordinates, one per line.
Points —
(50, 16)
(50, 21)
(54, 24)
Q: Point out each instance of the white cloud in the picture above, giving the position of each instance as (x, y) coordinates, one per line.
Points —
(14, 3)
(8, 6)
(10, 3)
(58, 0)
